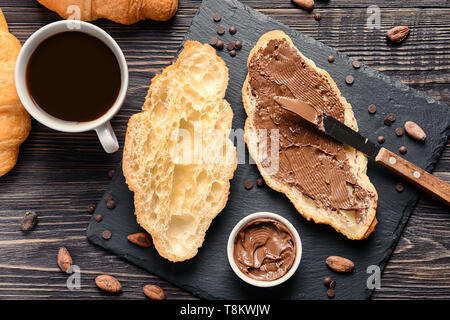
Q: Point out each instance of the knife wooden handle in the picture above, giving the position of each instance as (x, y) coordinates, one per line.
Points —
(414, 174)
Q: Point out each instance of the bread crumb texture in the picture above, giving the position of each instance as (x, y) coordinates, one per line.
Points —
(178, 158)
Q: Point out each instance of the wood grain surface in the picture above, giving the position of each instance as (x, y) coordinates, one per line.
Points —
(59, 174)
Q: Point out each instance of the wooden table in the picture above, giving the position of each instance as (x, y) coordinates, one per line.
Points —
(58, 175)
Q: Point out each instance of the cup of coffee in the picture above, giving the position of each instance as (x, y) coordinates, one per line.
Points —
(72, 76)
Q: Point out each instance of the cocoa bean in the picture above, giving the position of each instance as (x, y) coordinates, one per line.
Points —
(29, 221)
(305, 4)
(108, 283)
(340, 264)
(398, 34)
(154, 292)
(64, 259)
(414, 131)
(141, 239)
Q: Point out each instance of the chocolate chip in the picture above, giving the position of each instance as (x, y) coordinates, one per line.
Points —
(399, 187)
(356, 64)
(230, 46)
(238, 45)
(232, 30)
(91, 208)
(217, 17)
(332, 284)
(29, 221)
(111, 173)
(380, 139)
(330, 293)
(108, 197)
(399, 132)
(259, 182)
(110, 204)
(98, 217)
(106, 234)
(372, 109)
(402, 150)
(233, 53)
(390, 119)
(248, 184)
(221, 30)
(213, 41)
(330, 59)
(318, 16)
(219, 45)
(349, 80)
(327, 281)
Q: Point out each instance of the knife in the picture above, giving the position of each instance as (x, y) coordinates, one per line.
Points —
(340, 132)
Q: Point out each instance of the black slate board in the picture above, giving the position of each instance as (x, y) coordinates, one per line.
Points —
(208, 275)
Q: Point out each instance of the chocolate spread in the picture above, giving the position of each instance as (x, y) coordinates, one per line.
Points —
(264, 249)
(305, 110)
(308, 160)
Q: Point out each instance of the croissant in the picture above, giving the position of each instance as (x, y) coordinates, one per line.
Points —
(15, 122)
(121, 11)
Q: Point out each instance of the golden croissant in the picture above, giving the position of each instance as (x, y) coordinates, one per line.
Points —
(121, 11)
(14, 120)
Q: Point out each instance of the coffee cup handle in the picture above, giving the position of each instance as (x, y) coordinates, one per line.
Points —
(107, 137)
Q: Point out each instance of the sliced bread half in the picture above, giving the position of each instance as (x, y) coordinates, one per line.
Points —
(178, 158)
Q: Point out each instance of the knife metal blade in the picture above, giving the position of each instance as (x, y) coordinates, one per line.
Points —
(331, 126)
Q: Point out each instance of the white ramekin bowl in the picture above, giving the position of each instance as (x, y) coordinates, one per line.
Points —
(230, 249)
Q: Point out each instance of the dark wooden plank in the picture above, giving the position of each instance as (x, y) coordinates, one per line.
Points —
(425, 50)
(59, 174)
(419, 267)
(257, 4)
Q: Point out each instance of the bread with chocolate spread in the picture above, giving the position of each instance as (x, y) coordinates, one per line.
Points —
(178, 158)
(324, 179)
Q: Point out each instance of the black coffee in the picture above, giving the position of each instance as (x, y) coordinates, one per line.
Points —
(73, 76)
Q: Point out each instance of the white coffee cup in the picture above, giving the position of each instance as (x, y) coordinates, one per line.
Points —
(101, 125)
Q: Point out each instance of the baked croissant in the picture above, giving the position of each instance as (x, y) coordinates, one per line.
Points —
(14, 120)
(121, 11)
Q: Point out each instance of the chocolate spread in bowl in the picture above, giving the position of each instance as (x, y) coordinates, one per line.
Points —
(264, 249)
(308, 160)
